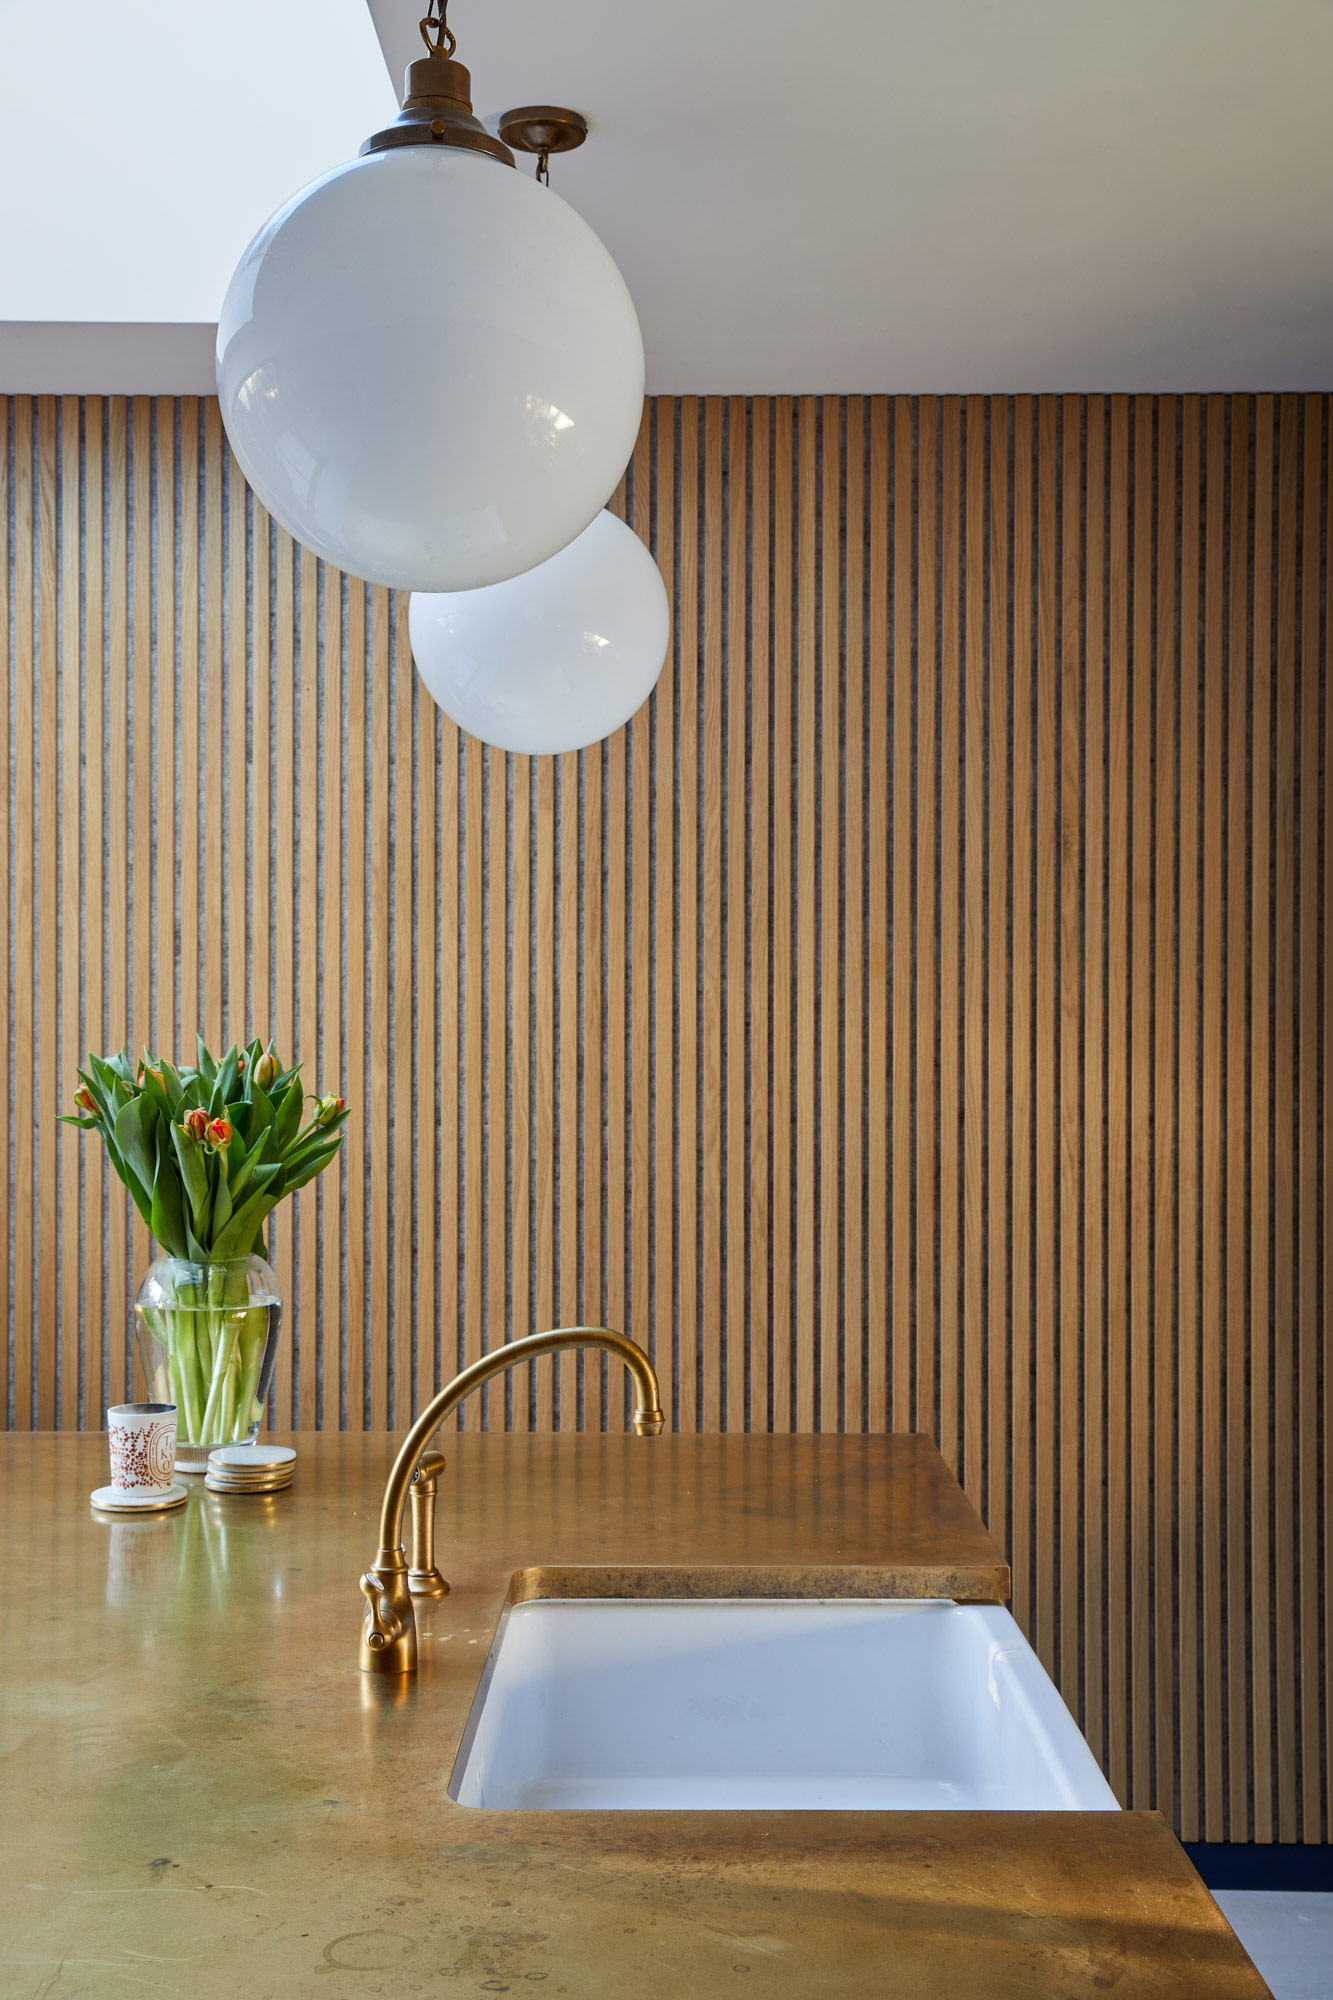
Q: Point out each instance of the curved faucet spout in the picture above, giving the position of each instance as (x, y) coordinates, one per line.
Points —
(388, 1634)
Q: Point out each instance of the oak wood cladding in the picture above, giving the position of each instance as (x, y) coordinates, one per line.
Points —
(914, 1019)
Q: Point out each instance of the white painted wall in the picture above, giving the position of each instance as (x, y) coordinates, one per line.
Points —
(142, 143)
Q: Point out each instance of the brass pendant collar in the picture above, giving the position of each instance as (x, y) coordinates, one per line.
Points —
(437, 103)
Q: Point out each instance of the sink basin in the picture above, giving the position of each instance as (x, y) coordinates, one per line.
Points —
(732, 1704)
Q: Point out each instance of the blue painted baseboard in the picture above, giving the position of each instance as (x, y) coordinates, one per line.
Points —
(1227, 1864)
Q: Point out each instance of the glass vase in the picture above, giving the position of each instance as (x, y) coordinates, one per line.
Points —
(207, 1339)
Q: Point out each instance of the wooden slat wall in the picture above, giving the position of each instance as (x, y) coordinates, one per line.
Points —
(915, 1018)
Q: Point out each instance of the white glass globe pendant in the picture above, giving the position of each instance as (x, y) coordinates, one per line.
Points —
(429, 366)
(554, 659)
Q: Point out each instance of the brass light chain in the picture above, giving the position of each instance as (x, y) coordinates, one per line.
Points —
(435, 31)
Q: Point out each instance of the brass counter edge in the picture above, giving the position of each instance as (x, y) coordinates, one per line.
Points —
(973, 1584)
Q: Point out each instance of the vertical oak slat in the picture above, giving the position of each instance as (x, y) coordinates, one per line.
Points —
(950, 999)
(212, 767)
(520, 1083)
(8, 1203)
(687, 947)
(238, 804)
(450, 1355)
(191, 1020)
(664, 1015)
(69, 973)
(308, 998)
(1118, 1085)
(330, 1191)
(902, 997)
(95, 1355)
(975, 995)
(806, 936)
(141, 777)
(569, 1365)
(642, 971)
(783, 833)
(496, 1133)
(119, 1278)
(1283, 1163)
(282, 1232)
(543, 1082)
(617, 1080)
(1140, 1134)
(1260, 919)
(1310, 1329)
(853, 1084)
(384, 1357)
(476, 1410)
(996, 1163)
(1093, 1358)
(1236, 1624)
(1046, 1215)
(1211, 1107)
(1187, 1107)
(714, 1331)
(736, 1178)
(1164, 1101)
(827, 966)
(46, 1049)
(926, 1163)
(1020, 1008)
(759, 1147)
(1071, 834)
(354, 1075)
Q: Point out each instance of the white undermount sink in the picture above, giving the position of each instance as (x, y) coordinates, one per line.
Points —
(738, 1703)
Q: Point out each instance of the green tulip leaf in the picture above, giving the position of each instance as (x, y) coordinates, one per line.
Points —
(194, 1175)
(168, 1214)
(262, 1113)
(252, 1174)
(288, 1118)
(221, 1200)
(224, 1082)
(134, 1138)
(235, 1238)
(312, 1165)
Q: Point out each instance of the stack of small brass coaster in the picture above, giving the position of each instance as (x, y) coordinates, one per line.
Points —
(250, 1468)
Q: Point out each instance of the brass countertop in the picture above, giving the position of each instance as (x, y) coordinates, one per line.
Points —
(203, 1796)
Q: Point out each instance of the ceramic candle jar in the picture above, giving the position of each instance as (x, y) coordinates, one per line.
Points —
(143, 1448)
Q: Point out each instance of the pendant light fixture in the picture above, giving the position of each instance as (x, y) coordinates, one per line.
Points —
(429, 367)
(554, 659)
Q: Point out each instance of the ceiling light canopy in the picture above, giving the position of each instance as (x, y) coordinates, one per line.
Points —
(429, 367)
(555, 659)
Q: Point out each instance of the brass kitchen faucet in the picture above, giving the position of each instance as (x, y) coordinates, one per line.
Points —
(389, 1632)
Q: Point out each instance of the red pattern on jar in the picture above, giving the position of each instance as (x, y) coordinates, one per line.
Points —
(142, 1458)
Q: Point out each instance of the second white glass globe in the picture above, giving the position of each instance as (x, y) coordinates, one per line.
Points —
(555, 659)
(430, 369)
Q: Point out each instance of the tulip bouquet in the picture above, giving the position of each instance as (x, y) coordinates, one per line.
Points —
(207, 1152)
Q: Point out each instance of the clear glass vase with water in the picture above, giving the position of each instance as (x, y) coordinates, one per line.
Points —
(207, 1339)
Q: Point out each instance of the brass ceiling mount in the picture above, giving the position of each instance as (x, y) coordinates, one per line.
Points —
(437, 100)
(543, 129)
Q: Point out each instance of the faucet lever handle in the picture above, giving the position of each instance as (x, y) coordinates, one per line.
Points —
(383, 1625)
(423, 1576)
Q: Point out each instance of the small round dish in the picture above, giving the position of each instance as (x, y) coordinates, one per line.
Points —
(250, 1457)
(108, 1501)
(251, 1491)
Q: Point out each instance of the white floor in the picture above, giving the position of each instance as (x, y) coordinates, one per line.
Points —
(1289, 1937)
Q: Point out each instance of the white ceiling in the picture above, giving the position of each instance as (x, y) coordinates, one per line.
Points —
(911, 195)
(142, 143)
